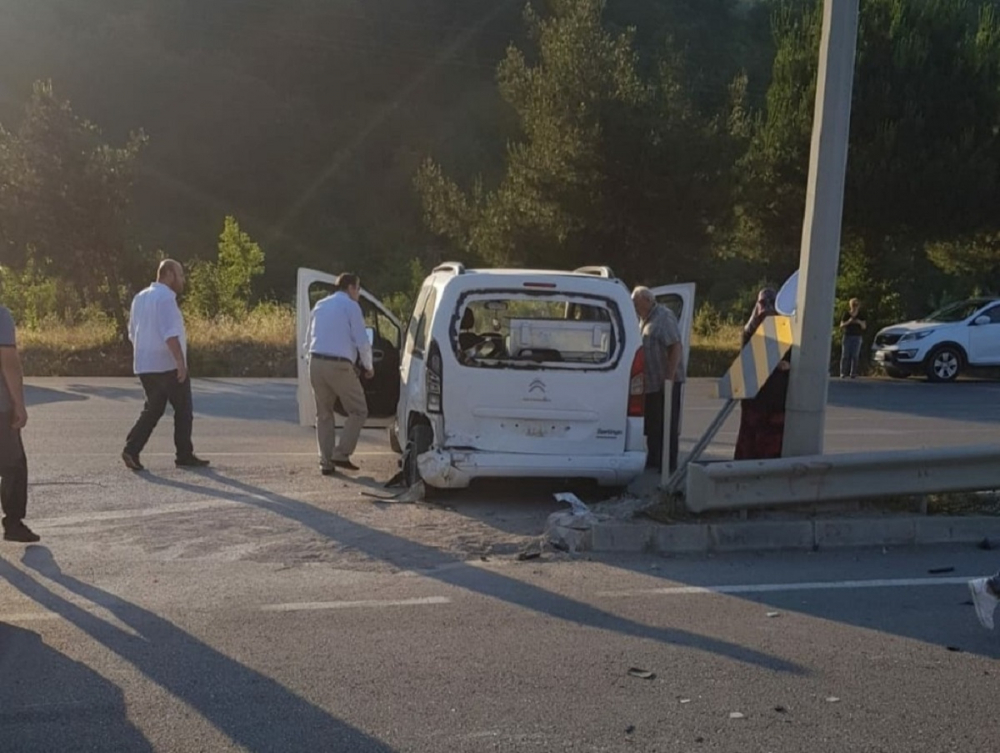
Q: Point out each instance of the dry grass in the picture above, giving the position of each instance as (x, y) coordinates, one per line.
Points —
(262, 345)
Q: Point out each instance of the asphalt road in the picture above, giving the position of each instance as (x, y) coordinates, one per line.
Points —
(258, 606)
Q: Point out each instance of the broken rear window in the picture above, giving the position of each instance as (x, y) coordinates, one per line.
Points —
(521, 329)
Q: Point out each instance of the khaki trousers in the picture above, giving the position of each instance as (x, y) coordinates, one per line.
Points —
(330, 380)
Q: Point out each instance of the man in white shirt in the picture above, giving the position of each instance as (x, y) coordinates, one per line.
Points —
(337, 339)
(156, 329)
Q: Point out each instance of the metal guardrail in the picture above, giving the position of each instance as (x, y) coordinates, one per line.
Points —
(850, 476)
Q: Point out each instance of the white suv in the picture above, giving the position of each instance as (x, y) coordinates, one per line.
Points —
(960, 336)
(509, 373)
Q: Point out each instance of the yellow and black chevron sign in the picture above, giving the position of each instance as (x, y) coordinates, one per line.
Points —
(758, 359)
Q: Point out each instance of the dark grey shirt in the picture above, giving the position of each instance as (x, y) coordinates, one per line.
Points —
(8, 339)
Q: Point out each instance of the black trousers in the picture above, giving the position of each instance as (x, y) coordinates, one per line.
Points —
(13, 474)
(162, 388)
(654, 427)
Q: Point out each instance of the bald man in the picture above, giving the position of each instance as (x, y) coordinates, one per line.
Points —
(156, 329)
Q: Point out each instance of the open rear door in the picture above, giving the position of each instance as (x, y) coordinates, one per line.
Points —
(680, 299)
(384, 333)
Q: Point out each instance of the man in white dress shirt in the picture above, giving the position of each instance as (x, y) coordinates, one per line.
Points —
(156, 329)
(337, 340)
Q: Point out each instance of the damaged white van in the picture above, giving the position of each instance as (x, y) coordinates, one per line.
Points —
(509, 373)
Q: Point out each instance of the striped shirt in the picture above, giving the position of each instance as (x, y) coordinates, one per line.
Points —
(660, 330)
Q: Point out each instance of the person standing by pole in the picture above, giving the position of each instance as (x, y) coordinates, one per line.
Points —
(853, 327)
(762, 418)
(156, 329)
(13, 418)
(664, 357)
(337, 340)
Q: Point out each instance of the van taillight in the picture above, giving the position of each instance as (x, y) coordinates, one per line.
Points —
(434, 401)
(637, 386)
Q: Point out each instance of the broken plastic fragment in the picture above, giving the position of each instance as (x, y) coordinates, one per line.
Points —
(774, 614)
(736, 715)
(642, 674)
(832, 699)
(579, 508)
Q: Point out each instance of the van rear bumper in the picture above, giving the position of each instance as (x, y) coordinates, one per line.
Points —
(455, 469)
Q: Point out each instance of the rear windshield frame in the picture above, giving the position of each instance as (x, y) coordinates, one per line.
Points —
(618, 337)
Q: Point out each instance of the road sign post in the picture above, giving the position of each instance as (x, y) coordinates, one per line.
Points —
(813, 322)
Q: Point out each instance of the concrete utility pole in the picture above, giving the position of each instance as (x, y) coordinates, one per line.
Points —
(813, 321)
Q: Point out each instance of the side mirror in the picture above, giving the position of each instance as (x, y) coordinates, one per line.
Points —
(370, 331)
(981, 320)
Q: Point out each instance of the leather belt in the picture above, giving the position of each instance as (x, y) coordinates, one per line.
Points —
(324, 357)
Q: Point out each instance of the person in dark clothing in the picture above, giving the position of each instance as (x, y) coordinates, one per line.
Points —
(13, 418)
(853, 327)
(762, 418)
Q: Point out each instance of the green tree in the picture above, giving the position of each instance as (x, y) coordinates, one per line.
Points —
(924, 151)
(224, 287)
(68, 193)
(609, 166)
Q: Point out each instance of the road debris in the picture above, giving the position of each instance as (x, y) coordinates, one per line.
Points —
(781, 709)
(774, 614)
(642, 674)
(630, 729)
(985, 544)
(736, 715)
(832, 699)
(569, 531)
(941, 570)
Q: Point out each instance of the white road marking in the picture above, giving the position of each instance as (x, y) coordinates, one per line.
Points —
(309, 606)
(29, 617)
(210, 454)
(141, 512)
(783, 587)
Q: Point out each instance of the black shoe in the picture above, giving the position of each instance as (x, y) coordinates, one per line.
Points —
(328, 471)
(192, 461)
(21, 533)
(132, 461)
(346, 464)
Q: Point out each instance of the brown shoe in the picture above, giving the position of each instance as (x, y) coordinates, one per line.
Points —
(132, 461)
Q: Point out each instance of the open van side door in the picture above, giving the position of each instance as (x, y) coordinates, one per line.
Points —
(384, 332)
(680, 299)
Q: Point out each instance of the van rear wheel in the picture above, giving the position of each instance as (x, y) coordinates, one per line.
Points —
(418, 441)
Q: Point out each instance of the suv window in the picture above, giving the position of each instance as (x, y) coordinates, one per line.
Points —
(420, 322)
(993, 314)
(511, 328)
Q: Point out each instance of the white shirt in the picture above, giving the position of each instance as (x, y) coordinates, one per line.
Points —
(337, 328)
(154, 319)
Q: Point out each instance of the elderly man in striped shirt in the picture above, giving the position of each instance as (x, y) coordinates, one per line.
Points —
(664, 355)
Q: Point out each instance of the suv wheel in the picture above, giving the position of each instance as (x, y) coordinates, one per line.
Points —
(944, 364)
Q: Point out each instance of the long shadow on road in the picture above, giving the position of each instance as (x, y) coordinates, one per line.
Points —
(404, 554)
(253, 710)
(50, 702)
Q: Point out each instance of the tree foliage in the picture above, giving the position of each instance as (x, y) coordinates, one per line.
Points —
(224, 287)
(608, 164)
(67, 193)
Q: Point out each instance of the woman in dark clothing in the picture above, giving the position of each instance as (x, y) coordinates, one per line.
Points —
(762, 418)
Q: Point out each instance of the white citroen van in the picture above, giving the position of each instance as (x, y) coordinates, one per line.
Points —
(508, 373)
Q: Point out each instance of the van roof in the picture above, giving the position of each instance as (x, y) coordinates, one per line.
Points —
(508, 273)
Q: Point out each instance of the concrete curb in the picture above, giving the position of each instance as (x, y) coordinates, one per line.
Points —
(768, 535)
